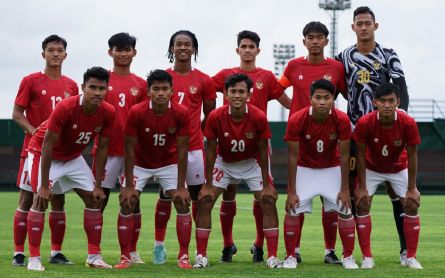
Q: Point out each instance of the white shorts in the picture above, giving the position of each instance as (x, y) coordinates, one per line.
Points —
(166, 176)
(398, 181)
(311, 182)
(24, 180)
(248, 170)
(65, 175)
(114, 171)
(195, 168)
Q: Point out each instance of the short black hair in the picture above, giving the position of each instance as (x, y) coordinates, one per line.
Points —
(315, 27)
(248, 35)
(385, 89)
(96, 72)
(159, 76)
(236, 78)
(170, 55)
(363, 10)
(54, 38)
(122, 40)
(322, 84)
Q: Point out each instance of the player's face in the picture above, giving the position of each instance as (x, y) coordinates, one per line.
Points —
(364, 27)
(160, 92)
(122, 56)
(238, 95)
(247, 50)
(54, 54)
(322, 101)
(183, 48)
(94, 91)
(387, 105)
(315, 43)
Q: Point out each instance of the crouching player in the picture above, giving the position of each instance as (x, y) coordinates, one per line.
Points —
(387, 142)
(318, 139)
(60, 141)
(241, 132)
(156, 144)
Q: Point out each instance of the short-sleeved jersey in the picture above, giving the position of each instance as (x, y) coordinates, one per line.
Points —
(265, 85)
(237, 141)
(157, 134)
(39, 94)
(75, 128)
(364, 73)
(191, 90)
(301, 74)
(123, 93)
(386, 147)
(318, 140)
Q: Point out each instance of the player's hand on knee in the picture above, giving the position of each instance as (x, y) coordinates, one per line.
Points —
(98, 197)
(42, 198)
(292, 202)
(182, 196)
(344, 201)
(361, 195)
(128, 197)
(411, 202)
(206, 192)
(269, 191)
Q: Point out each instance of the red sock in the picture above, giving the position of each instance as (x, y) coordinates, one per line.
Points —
(297, 244)
(330, 222)
(194, 210)
(226, 215)
(162, 215)
(346, 229)
(291, 233)
(202, 239)
(364, 227)
(184, 233)
(272, 241)
(35, 224)
(92, 224)
(125, 229)
(137, 228)
(411, 228)
(57, 225)
(258, 214)
(20, 219)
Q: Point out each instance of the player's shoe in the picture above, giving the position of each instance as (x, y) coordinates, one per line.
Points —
(413, 263)
(257, 254)
(349, 263)
(228, 253)
(159, 254)
(35, 264)
(135, 258)
(96, 261)
(124, 262)
(18, 260)
(331, 258)
(367, 263)
(273, 262)
(403, 257)
(298, 257)
(59, 258)
(290, 262)
(201, 262)
(184, 262)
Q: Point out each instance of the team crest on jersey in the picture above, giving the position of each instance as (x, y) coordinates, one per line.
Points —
(328, 77)
(332, 136)
(308, 136)
(193, 89)
(43, 92)
(98, 129)
(74, 126)
(377, 65)
(67, 94)
(259, 84)
(250, 135)
(376, 140)
(147, 129)
(226, 134)
(171, 130)
(134, 91)
(110, 88)
(397, 143)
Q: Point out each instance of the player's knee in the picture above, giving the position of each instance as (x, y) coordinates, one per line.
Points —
(230, 193)
(57, 202)
(162, 195)
(205, 205)
(363, 206)
(25, 200)
(410, 206)
(268, 202)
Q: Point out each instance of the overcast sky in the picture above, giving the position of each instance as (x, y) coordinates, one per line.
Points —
(413, 28)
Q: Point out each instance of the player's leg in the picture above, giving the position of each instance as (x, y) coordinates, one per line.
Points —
(114, 169)
(137, 222)
(399, 216)
(329, 220)
(352, 175)
(195, 177)
(226, 215)
(57, 225)
(162, 215)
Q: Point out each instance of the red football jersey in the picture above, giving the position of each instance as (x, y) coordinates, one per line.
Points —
(123, 93)
(237, 141)
(156, 144)
(318, 141)
(75, 128)
(300, 74)
(191, 90)
(265, 85)
(39, 94)
(386, 147)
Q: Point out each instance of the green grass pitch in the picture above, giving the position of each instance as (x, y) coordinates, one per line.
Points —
(384, 242)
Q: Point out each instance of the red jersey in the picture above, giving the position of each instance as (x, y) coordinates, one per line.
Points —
(75, 128)
(301, 74)
(123, 93)
(156, 144)
(191, 90)
(265, 85)
(318, 141)
(39, 94)
(386, 147)
(237, 141)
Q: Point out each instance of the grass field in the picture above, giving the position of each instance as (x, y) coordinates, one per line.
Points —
(384, 242)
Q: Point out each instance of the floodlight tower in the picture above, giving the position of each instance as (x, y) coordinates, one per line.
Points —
(282, 53)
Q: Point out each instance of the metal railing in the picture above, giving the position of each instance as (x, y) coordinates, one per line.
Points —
(426, 110)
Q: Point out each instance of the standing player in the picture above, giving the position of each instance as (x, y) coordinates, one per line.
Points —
(368, 64)
(195, 90)
(125, 89)
(301, 73)
(157, 127)
(241, 132)
(387, 142)
(265, 88)
(37, 97)
(318, 139)
(68, 131)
